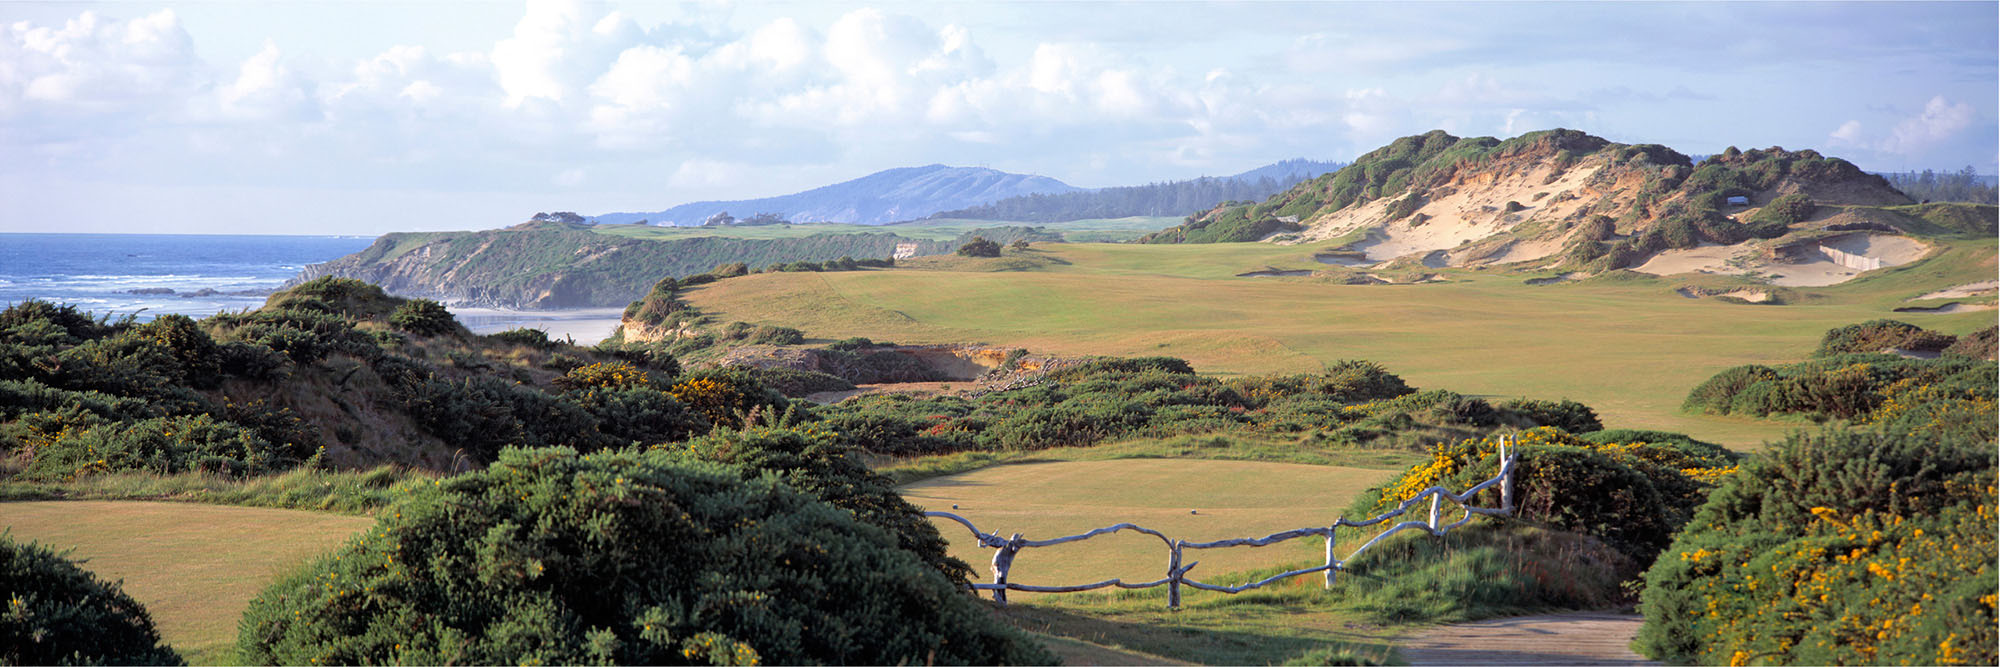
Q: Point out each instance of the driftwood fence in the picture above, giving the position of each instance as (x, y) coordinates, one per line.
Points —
(1007, 548)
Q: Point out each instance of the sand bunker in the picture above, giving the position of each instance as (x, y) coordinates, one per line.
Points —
(1840, 259)
(1827, 262)
(1273, 274)
(1949, 308)
(1705, 258)
(1982, 288)
(1551, 280)
(1750, 295)
(1344, 260)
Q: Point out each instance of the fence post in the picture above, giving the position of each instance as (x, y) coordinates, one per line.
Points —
(1174, 577)
(1003, 560)
(1330, 564)
(1435, 497)
(1506, 480)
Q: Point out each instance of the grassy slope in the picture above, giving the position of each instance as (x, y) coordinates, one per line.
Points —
(1630, 348)
(195, 567)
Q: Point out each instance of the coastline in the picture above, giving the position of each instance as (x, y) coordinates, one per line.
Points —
(587, 326)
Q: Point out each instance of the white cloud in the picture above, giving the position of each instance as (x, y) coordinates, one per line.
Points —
(1939, 122)
(264, 88)
(96, 64)
(1848, 134)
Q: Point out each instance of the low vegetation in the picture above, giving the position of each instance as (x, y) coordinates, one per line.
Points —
(60, 614)
(549, 556)
(1844, 380)
(1839, 547)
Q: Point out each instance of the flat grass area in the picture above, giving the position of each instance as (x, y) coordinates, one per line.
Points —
(194, 567)
(1627, 345)
(1043, 498)
(1190, 499)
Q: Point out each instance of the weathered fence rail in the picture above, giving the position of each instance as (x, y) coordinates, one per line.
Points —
(1007, 548)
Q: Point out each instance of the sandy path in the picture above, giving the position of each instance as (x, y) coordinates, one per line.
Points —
(1556, 639)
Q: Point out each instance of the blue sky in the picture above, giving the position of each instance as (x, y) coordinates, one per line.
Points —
(367, 117)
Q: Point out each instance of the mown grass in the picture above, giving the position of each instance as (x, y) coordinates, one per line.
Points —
(1625, 344)
(194, 566)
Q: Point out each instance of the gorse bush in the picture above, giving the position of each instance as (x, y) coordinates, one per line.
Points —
(552, 557)
(423, 317)
(1630, 495)
(1879, 335)
(1849, 386)
(161, 445)
(59, 614)
(1841, 547)
(812, 462)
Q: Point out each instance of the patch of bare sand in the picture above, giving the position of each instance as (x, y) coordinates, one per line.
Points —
(1981, 288)
(1526, 251)
(1821, 268)
(1462, 214)
(1706, 258)
(1950, 308)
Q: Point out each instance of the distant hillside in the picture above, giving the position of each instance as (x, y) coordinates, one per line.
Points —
(907, 193)
(541, 265)
(1172, 199)
(1563, 198)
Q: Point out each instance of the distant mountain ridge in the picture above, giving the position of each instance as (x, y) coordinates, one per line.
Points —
(1169, 199)
(890, 195)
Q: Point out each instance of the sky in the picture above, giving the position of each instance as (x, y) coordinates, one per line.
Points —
(366, 117)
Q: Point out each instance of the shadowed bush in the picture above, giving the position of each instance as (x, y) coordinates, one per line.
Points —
(631, 558)
(60, 614)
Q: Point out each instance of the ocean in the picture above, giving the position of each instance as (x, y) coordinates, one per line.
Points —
(147, 275)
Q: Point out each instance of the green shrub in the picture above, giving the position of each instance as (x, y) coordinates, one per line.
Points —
(552, 557)
(726, 397)
(1632, 496)
(1785, 210)
(60, 614)
(979, 247)
(794, 382)
(164, 445)
(1840, 547)
(526, 337)
(608, 375)
(1570, 416)
(1878, 335)
(423, 317)
(1981, 344)
(813, 462)
(638, 414)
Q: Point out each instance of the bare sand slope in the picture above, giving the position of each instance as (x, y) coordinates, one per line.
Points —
(1556, 639)
(1705, 258)
(1470, 212)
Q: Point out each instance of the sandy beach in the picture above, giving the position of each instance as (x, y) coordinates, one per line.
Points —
(586, 325)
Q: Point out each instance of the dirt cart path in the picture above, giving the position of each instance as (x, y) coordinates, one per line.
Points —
(1556, 639)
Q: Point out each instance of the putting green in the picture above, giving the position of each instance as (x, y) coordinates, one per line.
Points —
(194, 567)
(1188, 499)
